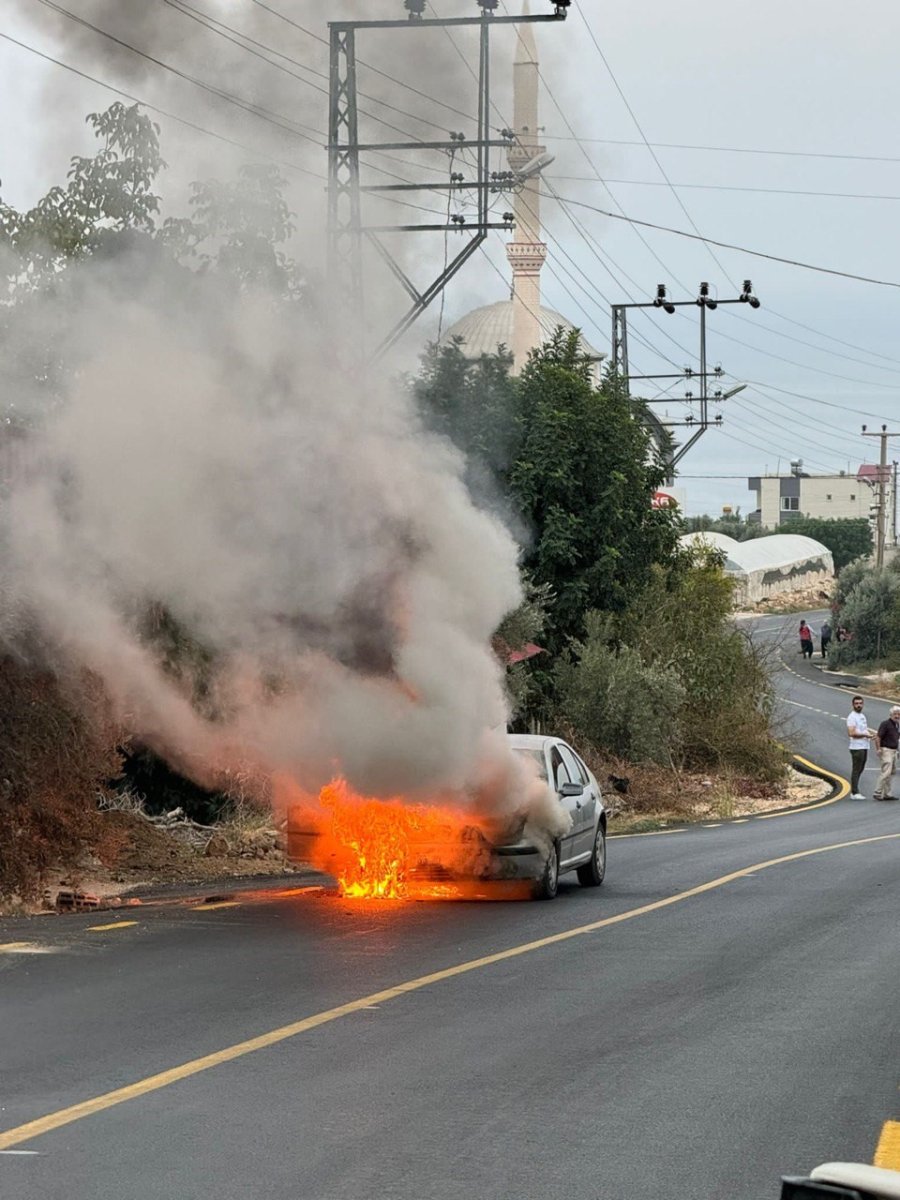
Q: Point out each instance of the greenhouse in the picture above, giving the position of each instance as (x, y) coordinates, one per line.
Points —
(766, 566)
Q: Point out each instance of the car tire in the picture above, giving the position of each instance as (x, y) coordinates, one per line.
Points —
(591, 873)
(547, 886)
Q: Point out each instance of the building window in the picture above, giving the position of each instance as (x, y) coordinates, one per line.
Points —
(828, 496)
(790, 503)
(853, 495)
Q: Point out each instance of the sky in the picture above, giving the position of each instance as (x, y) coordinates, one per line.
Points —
(772, 128)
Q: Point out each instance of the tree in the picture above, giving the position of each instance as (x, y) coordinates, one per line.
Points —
(106, 194)
(473, 403)
(742, 529)
(583, 482)
(847, 538)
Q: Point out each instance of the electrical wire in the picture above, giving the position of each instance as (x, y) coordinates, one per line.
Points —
(222, 30)
(561, 137)
(729, 187)
(278, 120)
(254, 151)
(790, 262)
(362, 63)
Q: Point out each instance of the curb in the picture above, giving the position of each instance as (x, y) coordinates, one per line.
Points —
(840, 787)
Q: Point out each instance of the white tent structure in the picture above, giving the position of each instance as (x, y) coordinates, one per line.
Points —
(763, 567)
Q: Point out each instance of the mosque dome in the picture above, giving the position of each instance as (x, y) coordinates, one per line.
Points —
(484, 329)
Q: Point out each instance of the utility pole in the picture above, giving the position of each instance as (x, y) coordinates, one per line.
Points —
(884, 474)
(346, 228)
(620, 357)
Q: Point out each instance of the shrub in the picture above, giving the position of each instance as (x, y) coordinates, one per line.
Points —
(57, 749)
(617, 701)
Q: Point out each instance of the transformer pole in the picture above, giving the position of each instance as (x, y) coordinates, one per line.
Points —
(884, 474)
(347, 230)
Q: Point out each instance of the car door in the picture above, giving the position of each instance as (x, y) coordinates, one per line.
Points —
(558, 775)
(585, 804)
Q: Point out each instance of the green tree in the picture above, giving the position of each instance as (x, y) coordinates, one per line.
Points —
(742, 529)
(847, 538)
(583, 482)
(106, 194)
(475, 403)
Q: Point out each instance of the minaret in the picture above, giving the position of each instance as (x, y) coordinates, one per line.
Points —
(527, 253)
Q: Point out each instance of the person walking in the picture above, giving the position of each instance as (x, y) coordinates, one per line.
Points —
(887, 739)
(806, 640)
(825, 635)
(860, 736)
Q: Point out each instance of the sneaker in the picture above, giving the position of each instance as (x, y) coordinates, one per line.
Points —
(884, 797)
(857, 796)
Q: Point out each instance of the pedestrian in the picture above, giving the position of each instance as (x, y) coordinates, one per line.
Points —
(806, 640)
(887, 739)
(860, 736)
(826, 637)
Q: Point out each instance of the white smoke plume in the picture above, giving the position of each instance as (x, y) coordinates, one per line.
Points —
(295, 519)
(211, 458)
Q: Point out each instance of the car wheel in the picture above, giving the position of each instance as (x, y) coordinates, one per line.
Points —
(591, 873)
(547, 886)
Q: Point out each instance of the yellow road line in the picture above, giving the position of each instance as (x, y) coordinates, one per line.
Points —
(153, 1083)
(887, 1152)
(112, 925)
(843, 790)
(15, 947)
(217, 904)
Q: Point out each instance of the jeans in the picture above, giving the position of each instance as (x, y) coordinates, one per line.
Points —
(858, 759)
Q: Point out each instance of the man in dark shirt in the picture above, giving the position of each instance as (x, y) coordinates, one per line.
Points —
(887, 739)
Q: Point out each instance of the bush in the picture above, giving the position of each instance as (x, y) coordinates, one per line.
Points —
(870, 610)
(616, 701)
(57, 750)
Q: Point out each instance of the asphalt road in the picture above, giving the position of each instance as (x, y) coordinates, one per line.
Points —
(706, 1021)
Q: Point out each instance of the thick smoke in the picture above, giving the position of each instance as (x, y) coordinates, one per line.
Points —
(292, 517)
(209, 456)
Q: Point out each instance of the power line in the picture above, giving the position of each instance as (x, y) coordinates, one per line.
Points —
(224, 31)
(790, 262)
(361, 62)
(254, 151)
(729, 187)
(561, 137)
(653, 153)
(257, 110)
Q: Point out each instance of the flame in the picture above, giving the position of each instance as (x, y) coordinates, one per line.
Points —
(392, 849)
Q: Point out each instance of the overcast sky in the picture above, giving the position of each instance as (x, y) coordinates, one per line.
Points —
(811, 88)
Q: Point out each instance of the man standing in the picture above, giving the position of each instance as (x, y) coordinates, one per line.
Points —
(860, 736)
(806, 640)
(887, 740)
(826, 637)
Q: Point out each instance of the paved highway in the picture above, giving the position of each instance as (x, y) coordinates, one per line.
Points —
(722, 1011)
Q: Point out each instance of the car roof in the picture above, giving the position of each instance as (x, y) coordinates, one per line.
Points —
(530, 741)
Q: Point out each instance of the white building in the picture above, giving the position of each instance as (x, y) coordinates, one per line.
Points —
(781, 499)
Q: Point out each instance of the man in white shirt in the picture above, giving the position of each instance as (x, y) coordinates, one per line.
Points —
(860, 736)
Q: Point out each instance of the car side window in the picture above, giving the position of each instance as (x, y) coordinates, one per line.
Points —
(582, 770)
(558, 768)
(571, 764)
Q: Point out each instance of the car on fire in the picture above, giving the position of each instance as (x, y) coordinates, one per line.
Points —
(583, 848)
(397, 850)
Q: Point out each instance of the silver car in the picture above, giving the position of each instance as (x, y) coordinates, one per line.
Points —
(583, 848)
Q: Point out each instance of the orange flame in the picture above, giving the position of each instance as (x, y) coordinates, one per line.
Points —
(391, 849)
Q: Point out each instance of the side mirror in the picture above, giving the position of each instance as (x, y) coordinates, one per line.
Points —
(571, 789)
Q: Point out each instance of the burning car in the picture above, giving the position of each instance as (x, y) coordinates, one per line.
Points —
(393, 849)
